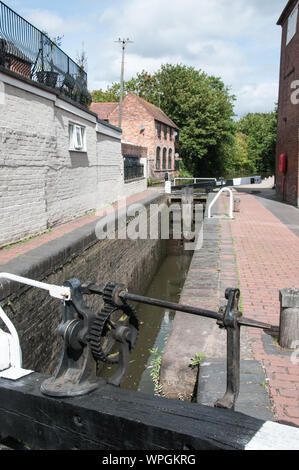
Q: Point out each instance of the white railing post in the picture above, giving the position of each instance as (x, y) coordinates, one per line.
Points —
(10, 348)
(167, 187)
(15, 353)
(217, 197)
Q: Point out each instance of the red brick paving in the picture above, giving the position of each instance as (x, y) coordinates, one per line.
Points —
(267, 257)
(7, 254)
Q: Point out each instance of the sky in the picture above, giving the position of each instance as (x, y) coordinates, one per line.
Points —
(236, 40)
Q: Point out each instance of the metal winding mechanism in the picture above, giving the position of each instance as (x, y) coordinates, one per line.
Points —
(230, 321)
(76, 371)
(114, 332)
(88, 338)
(110, 336)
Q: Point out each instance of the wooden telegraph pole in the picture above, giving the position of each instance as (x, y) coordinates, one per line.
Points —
(123, 43)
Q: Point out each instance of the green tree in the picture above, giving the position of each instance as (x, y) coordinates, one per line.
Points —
(112, 94)
(241, 164)
(260, 129)
(143, 85)
(146, 86)
(202, 107)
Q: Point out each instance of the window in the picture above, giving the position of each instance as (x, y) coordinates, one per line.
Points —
(158, 158)
(170, 159)
(292, 24)
(170, 133)
(165, 131)
(164, 159)
(159, 130)
(76, 137)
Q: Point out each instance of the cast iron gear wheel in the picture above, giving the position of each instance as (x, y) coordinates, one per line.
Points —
(110, 293)
(102, 342)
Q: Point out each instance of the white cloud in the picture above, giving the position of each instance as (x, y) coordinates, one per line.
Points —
(257, 98)
(162, 26)
(53, 23)
(237, 40)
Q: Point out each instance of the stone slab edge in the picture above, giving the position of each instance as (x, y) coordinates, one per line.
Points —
(189, 332)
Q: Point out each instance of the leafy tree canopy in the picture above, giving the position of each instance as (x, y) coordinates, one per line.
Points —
(211, 143)
(260, 129)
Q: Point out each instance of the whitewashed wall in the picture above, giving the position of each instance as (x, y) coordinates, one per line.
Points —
(42, 182)
(110, 176)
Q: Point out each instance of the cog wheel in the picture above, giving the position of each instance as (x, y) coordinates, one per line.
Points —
(108, 292)
(102, 342)
(111, 293)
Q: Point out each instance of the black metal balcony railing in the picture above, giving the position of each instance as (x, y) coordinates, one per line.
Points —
(29, 52)
(132, 167)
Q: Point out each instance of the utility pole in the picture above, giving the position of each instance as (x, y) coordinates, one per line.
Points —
(123, 42)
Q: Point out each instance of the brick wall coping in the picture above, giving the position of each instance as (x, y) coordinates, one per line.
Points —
(134, 180)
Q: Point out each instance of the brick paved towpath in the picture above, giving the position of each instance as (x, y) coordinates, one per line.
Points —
(267, 259)
(11, 252)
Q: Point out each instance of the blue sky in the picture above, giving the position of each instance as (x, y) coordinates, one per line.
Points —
(237, 40)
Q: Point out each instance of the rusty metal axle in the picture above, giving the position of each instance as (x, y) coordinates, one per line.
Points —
(228, 317)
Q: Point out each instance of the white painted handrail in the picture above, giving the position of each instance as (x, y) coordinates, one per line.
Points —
(15, 357)
(10, 348)
(59, 292)
(216, 198)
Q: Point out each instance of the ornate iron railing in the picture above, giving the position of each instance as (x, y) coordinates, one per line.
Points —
(26, 50)
(132, 167)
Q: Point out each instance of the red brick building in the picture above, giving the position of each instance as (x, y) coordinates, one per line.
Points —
(288, 106)
(13, 59)
(145, 125)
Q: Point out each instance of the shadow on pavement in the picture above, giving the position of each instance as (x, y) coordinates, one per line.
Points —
(286, 213)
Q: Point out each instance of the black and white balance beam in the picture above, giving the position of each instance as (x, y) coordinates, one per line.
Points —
(114, 418)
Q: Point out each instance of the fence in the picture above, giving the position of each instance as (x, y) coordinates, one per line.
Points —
(132, 167)
(29, 52)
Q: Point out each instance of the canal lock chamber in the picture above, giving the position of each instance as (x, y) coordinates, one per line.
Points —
(152, 267)
(166, 284)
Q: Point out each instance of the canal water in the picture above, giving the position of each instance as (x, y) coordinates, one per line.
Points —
(155, 322)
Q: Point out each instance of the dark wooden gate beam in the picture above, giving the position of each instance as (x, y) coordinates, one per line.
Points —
(113, 418)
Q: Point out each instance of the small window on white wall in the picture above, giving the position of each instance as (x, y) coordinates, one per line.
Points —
(292, 24)
(76, 137)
